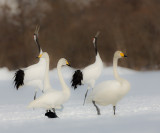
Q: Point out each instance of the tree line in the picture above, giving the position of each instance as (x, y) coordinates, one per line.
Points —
(67, 29)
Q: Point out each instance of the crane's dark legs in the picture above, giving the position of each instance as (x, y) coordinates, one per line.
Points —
(98, 110)
(85, 97)
(35, 95)
(114, 109)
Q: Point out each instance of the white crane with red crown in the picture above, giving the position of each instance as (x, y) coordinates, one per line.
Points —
(89, 74)
(34, 74)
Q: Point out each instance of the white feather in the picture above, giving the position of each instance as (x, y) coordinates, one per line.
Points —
(34, 74)
(52, 98)
(110, 92)
(92, 72)
(49, 100)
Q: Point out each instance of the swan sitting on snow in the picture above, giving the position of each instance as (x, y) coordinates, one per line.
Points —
(53, 99)
(110, 92)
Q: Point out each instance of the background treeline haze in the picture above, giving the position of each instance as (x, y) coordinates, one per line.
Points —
(68, 26)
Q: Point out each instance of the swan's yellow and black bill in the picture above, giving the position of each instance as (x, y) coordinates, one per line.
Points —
(123, 55)
(39, 56)
(67, 63)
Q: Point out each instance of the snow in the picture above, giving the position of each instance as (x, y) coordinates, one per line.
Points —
(138, 112)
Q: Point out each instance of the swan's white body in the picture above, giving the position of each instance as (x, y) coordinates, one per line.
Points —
(110, 92)
(52, 98)
(92, 72)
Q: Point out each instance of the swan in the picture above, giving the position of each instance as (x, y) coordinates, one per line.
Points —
(52, 98)
(89, 74)
(110, 92)
(34, 74)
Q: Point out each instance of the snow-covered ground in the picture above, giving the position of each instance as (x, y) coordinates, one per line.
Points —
(138, 112)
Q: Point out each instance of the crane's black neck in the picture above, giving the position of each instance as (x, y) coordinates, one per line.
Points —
(37, 42)
(95, 45)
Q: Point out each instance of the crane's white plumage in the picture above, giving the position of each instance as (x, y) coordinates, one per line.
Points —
(34, 74)
(35, 71)
(110, 92)
(53, 98)
(89, 74)
(92, 72)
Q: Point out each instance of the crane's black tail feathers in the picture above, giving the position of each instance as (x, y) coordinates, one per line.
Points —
(77, 79)
(19, 78)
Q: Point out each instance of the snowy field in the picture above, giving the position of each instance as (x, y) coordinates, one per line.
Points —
(138, 112)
